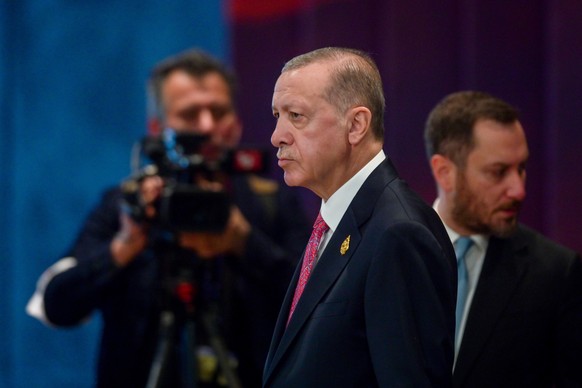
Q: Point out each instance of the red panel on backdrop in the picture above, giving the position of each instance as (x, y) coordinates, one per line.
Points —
(253, 10)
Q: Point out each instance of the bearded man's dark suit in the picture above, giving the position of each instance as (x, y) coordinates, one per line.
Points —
(382, 314)
(524, 327)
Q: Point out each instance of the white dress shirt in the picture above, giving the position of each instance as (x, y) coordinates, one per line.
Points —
(474, 260)
(332, 210)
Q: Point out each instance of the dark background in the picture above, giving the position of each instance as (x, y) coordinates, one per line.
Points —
(72, 102)
(527, 52)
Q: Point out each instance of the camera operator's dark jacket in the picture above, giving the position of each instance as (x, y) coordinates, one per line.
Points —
(247, 290)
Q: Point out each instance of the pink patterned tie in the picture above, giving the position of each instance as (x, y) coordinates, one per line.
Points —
(319, 228)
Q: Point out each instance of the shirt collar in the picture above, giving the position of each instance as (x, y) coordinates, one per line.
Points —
(334, 208)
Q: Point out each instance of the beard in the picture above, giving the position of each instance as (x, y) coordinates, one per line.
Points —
(471, 211)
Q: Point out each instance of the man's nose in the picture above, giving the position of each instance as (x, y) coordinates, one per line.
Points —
(206, 122)
(516, 189)
(280, 136)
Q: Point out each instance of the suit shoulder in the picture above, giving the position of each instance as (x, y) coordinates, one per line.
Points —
(545, 250)
(538, 241)
(399, 198)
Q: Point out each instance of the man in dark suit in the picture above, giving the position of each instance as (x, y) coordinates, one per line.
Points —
(520, 316)
(141, 275)
(372, 304)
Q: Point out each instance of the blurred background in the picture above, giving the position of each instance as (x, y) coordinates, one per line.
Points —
(73, 101)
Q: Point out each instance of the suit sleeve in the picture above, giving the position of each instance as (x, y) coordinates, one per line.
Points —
(407, 320)
(72, 295)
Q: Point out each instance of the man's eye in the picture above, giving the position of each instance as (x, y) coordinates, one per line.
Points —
(219, 113)
(190, 114)
(499, 173)
(294, 116)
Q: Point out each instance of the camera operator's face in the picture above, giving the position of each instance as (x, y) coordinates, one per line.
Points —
(202, 106)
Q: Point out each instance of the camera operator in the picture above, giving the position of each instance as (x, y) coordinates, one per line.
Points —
(117, 263)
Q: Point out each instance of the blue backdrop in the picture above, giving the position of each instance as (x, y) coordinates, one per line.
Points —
(72, 102)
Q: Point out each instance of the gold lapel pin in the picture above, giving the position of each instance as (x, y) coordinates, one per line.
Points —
(345, 246)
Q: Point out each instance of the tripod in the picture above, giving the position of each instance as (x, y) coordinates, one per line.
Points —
(181, 319)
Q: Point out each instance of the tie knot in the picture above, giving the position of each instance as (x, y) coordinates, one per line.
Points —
(319, 225)
(462, 245)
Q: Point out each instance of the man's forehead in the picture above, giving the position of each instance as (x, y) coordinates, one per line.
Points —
(499, 143)
(297, 86)
(492, 132)
(181, 85)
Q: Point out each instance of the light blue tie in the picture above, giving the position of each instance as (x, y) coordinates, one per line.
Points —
(462, 245)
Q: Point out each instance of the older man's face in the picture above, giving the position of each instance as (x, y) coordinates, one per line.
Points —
(311, 134)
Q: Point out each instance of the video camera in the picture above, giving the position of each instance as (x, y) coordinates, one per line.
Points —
(182, 159)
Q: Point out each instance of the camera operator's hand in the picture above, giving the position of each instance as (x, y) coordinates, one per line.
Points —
(131, 238)
(150, 190)
(231, 241)
(129, 241)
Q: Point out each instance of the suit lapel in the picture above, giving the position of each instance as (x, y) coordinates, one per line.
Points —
(504, 266)
(330, 264)
(329, 267)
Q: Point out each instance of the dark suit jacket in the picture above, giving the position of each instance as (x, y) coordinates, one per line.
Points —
(382, 314)
(524, 327)
(248, 290)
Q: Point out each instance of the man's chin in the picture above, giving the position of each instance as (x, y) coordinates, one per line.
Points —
(289, 180)
(505, 229)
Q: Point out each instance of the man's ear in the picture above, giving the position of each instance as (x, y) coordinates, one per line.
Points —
(444, 172)
(360, 119)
